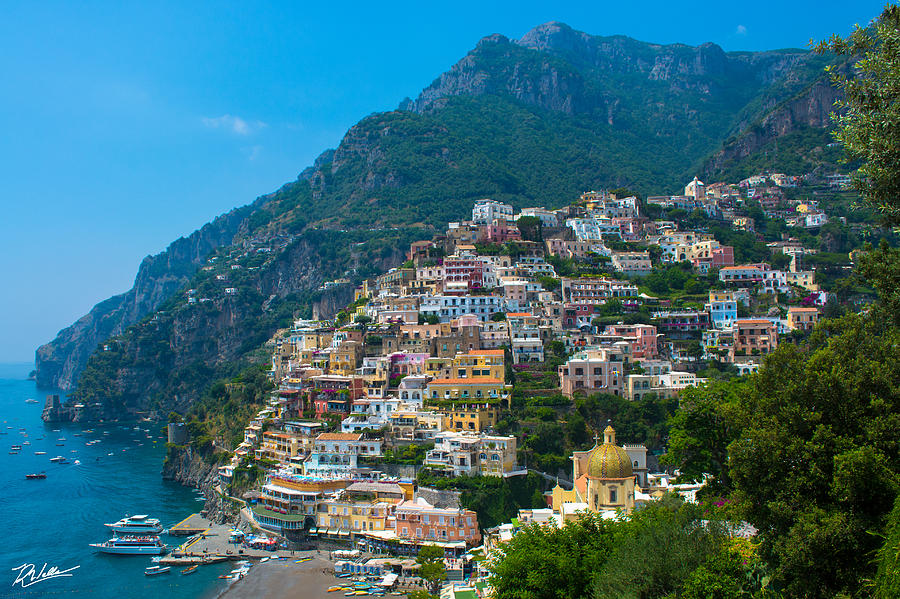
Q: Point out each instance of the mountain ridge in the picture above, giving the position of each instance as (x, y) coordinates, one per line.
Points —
(533, 120)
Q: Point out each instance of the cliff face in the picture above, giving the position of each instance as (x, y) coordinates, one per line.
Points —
(165, 362)
(811, 108)
(529, 121)
(60, 362)
(186, 466)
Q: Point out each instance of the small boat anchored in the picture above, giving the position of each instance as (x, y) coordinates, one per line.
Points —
(154, 570)
(36, 476)
(190, 570)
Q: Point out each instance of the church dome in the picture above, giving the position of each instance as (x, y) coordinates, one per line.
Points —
(609, 460)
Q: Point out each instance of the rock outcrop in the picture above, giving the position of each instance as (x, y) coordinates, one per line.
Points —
(184, 465)
(60, 362)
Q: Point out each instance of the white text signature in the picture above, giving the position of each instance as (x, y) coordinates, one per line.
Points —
(27, 575)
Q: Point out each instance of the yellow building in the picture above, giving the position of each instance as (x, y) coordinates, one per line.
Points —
(471, 417)
(478, 389)
(604, 479)
(484, 363)
(279, 446)
(346, 359)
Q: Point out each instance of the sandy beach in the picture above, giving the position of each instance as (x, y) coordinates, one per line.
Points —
(283, 578)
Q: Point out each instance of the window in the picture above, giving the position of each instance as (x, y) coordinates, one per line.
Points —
(613, 495)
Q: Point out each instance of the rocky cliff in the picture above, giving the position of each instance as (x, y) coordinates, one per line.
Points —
(809, 109)
(186, 466)
(531, 121)
(166, 361)
(59, 363)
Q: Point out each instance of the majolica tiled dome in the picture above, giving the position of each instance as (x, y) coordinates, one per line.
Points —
(609, 460)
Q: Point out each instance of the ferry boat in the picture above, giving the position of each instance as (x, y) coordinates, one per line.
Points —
(141, 524)
(130, 545)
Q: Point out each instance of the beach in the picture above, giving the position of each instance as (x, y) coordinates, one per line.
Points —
(284, 578)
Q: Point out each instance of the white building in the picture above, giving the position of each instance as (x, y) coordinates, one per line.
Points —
(448, 307)
(474, 454)
(334, 455)
(484, 212)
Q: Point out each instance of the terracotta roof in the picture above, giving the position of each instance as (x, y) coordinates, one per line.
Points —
(339, 437)
(508, 314)
(799, 309)
(486, 352)
(756, 321)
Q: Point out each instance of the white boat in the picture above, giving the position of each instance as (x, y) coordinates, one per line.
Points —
(154, 570)
(31, 401)
(59, 459)
(128, 545)
(140, 524)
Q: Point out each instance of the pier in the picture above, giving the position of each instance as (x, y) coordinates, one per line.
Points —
(209, 544)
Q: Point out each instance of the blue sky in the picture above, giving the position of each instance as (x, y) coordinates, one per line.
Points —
(126, 125)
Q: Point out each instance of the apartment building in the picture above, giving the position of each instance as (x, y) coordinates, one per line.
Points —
(420, 521)
(593, 371)
(472, 454)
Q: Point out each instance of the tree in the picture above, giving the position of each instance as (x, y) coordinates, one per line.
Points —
(431, 566)
(814, 464)
(707, 421)
(546, 562)
(869, 123)
(531, 228)
(658, 550)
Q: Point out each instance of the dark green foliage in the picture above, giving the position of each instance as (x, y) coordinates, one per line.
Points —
(224, 409)
(707, 421)
(640, 421)
(552, 563)
(410, 454)
(887, 578)
(653, 554)
(658, 550)
(869, 121)
(493, 498)
(431, 566)
(722, 576)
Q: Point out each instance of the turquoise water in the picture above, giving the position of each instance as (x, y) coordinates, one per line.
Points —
(52, 521)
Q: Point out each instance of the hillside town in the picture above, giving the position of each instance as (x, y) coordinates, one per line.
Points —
(425, 362)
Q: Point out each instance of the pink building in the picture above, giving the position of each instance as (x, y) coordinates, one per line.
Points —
(465, 269)
(403, 364)
(641, 337)
(501, 231)
(593, 371)
(420, 521)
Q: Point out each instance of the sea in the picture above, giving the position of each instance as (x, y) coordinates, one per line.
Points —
(50, 523)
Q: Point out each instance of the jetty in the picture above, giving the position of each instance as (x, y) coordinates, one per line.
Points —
(209, 543)
(192, 525)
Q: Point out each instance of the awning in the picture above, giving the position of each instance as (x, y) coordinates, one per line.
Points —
(344, 533)
(313, 531)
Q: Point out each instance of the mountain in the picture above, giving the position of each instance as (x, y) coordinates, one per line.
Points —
(60, 362)
(534, 121)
